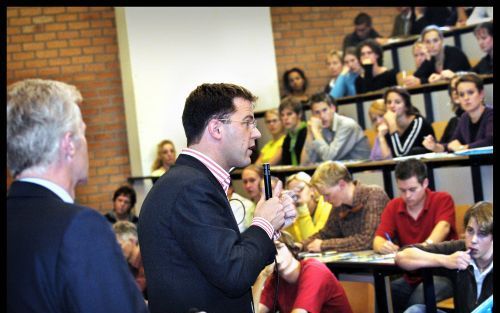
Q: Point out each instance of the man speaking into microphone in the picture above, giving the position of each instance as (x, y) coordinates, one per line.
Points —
(194, 255)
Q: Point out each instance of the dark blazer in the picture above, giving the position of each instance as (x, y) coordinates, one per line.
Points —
(63, 257)
(454, 60)
(193, 253)
(484, 136)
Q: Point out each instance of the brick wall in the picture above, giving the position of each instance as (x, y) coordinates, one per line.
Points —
(78, 45)
(304, 35)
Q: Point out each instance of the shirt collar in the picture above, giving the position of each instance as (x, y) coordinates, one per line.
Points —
(58, 190)
(220, 174)
(335, 122)
(402, 209)
(477, 272)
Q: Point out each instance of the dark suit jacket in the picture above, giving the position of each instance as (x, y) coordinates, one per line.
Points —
(193, 253)
(63, 257)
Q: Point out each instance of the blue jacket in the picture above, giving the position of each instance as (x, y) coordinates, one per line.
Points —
(63, 257)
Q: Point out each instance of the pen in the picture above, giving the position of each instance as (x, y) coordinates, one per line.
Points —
(388, 237)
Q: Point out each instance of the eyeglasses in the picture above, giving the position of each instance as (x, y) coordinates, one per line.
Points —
(272, 121)
(250, 124)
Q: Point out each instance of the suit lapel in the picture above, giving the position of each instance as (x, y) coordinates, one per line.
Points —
(187, 160)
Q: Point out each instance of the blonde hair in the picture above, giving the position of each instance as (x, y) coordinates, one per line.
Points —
(483, 213)
(158, 162)
(336, 53)
(377, 108)
(329, 173)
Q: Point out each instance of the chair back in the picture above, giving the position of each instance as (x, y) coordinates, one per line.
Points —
(460, 210)
(439, 127)
(371, 134)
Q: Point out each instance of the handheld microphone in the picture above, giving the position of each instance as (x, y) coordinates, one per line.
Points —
(267, 181)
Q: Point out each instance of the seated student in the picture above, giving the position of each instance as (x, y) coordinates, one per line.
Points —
(484, 36)
(312, 209)
(356, 210)
(363, 30)
(375, 76)
(475, 127)
(126, 234)
(455, 107)
(304, 286)
(331, 136)
(124, 200)
(271, 152)
(403, 22)
(377, 112)
(345, 85)
(251, 177)
(445, 60)
(335, 64)
(165, 157)
(420, 54)
(419, 215)
(468, 263)
(295, 82)
(296, 130)
(407, 128)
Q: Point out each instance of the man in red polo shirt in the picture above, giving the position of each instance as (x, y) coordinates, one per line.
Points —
(419, 215)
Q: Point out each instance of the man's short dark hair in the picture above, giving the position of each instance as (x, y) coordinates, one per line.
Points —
(322, 97)
(412, 167)
(291, 103)
(363, 18)
(128, 192)
(207, 102)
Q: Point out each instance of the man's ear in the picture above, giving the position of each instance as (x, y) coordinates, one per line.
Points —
(67, 146)
(214, 128)
(425, 183)
(334, 108)
(342, 184)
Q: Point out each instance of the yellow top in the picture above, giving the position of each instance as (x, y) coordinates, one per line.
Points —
(270, 149)
(305, 225)
(158, 172)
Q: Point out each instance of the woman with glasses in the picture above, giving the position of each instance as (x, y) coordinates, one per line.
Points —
(271, 152)
(475, 127)
(312, 209)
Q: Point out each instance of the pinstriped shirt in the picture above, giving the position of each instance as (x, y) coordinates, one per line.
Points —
(224, 178)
